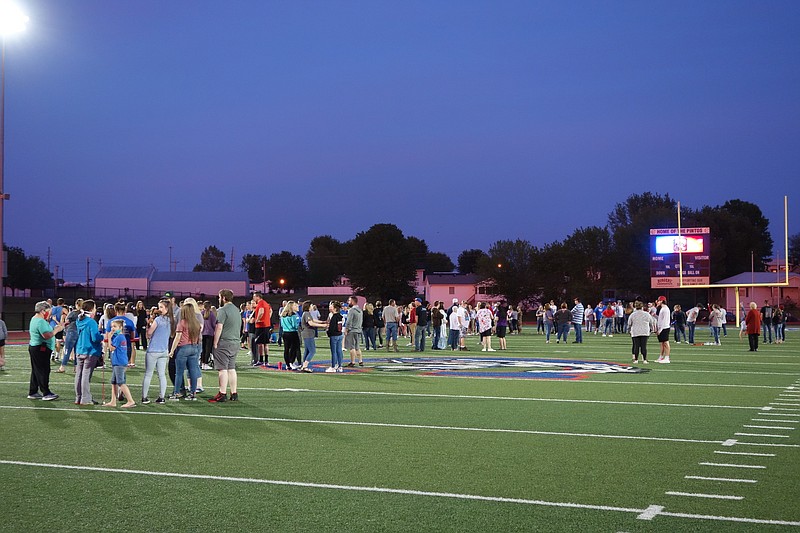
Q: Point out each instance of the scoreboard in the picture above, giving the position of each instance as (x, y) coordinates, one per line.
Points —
(666, 248)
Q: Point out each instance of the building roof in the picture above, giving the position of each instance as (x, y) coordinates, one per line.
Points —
(757, 277)
(453, 278)
(125, 272)
(201, 276)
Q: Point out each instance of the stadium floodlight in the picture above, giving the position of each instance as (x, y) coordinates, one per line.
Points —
(12, 19)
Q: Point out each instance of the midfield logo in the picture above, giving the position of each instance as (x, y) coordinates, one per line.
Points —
(491, 367)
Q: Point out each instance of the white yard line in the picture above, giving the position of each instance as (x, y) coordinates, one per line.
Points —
(753, 454)
(699, 495)
(368, 424)
(767, 427)
(733, 466)
(774, 420)
(770, 435)
(732, 480)
(644, 514)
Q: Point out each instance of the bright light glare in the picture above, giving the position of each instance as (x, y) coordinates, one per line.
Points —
(12, 19)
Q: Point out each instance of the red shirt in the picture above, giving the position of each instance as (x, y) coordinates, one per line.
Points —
(753, 322)
(412, 316)
(266, 316)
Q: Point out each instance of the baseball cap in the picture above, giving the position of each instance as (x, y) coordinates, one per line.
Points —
(455, 300)
(662, 299)
(418, 300)
(168, 295)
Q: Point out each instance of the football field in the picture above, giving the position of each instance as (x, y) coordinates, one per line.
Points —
(541, 437)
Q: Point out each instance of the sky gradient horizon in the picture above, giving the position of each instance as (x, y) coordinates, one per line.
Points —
(132, 126)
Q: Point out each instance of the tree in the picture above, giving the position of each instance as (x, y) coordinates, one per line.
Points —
(794, 249)
(438, 262)
(212, 259)
(585, 257)
(253, 264)
(468, 260)
(326, 259)
(288, 267)
(418, 250)
(630, 223)
(382, 263)
(511, 270)
(26, 271)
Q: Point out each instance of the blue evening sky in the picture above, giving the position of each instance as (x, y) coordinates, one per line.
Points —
(135, 125)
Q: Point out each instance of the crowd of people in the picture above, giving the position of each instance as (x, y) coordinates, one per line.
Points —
(182, 340)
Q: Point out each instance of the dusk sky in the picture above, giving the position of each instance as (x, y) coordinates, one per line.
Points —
(135, 125)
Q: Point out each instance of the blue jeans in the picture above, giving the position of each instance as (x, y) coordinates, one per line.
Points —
(70, 341)
(187, 357)
(578, 332)
(563, 331)
(419, 339)
(452, 338)
(766, 327)
(391, 332)
(369, 338)
(309, 349)
(609, 327)
(691, 332)
(680, 330)
(715, 333)
(336, 351)
(548, 327)
(437, 332)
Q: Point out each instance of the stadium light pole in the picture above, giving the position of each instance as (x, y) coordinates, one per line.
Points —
(12, 21)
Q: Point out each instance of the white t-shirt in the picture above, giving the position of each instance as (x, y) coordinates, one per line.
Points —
(455, 315)
(663, 318)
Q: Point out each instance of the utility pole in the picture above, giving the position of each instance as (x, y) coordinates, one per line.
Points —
(264, 278)
(87, 275)
(233, 249)
(48, 258)
(55, 287)
(170, 258)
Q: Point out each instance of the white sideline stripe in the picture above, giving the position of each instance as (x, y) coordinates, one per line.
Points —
(698, 495)
(732, 465)
(732, 480)
(370, 424)
(755, 454)
(762, 435)
(767, 427)
(651, 510)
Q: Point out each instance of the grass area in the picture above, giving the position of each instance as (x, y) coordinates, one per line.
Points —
(376, 450)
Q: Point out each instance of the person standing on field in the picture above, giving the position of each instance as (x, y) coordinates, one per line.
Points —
(753, 323)
(663, 319)
(226, 346)
(640, 324)
(351, 331)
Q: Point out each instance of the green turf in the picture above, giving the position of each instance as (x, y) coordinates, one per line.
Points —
(416, 433)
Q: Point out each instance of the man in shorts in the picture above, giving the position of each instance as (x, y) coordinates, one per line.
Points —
(352, 331)
(226, 346)
(262, 319)
(663, 318)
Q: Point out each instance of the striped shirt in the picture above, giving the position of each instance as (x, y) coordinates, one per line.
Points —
(577, 313)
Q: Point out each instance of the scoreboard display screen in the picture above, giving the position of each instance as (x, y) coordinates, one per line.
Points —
(667, 247)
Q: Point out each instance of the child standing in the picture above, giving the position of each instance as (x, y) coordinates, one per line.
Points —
(118, 346)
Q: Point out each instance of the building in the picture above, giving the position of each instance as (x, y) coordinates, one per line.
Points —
(773, 294)
(141, 282)
(465, 287)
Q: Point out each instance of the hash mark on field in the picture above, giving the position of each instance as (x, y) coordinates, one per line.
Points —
(729, 442)
(762, 435)
(650, 512)
(733, 480)
(733, 466)
(754, 454)
(767, 427)
(697, 495)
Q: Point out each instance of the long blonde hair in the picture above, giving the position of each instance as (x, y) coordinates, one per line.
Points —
(189, 316)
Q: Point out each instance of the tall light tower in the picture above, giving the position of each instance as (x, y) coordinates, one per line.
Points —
(12, 21)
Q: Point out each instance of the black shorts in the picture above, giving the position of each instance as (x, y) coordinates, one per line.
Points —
(501, 332)
(262, 335)
(59, 335)
(664, 335)
(2, 342)
(487, 333)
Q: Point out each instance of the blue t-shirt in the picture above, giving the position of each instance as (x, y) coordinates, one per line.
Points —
(119, 355)
(55, 315)
(38, 328)
(159, 342)
(129, 330)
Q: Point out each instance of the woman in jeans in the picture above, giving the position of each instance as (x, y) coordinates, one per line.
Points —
(158, 332)
(141, 325)
(715, 319)
(88, 349)
(209, 325)
(368, 327)
(186, 351)
(335, 336)
(71, 335)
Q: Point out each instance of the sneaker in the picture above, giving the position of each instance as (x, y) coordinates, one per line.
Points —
(190, 397)
(491, 350)
(604, 334)
(351, 364)
(219, 398)
(610, 335)
(49, 397)
(329, 370)
(160, 401)
(35, 396)
(634, 362)
(361, 363)
(294, 366)
(483, 349)
(660, 358)
(558, 342)
(174, 397)
(145, 401)
(234, 396)
(254, 365)
(339, 369)
(664, 360)
(646, 362)
(199, 390)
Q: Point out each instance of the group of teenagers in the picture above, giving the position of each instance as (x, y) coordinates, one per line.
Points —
(173, 336)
